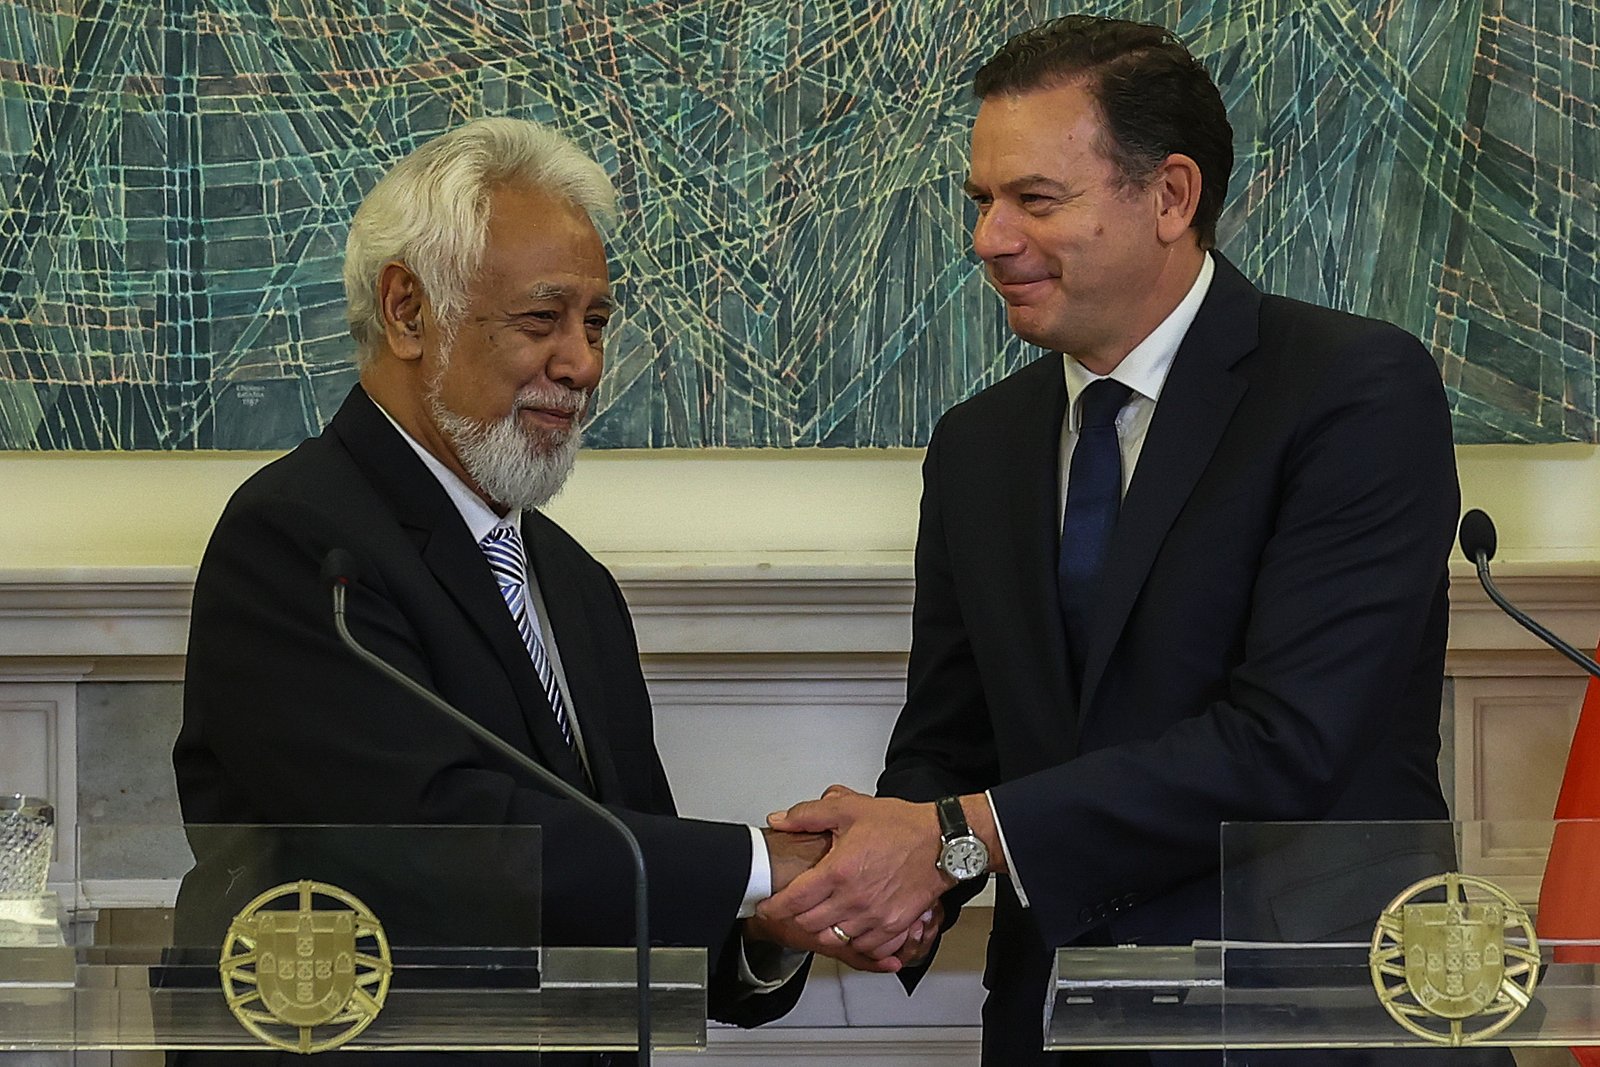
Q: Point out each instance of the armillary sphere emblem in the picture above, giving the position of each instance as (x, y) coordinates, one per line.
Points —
(308, 979)
(1454, 971)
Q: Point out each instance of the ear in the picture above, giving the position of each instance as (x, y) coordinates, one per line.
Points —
(401, 305)
(1177, 191)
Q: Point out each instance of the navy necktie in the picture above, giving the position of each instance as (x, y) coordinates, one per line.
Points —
(1094, 496)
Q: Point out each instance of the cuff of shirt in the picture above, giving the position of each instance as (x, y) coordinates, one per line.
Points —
(764, 967)
(1005, 849)
(759, 887)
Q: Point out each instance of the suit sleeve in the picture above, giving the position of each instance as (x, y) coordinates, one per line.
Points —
(282, 725)
(943, 743)
(1349, 587)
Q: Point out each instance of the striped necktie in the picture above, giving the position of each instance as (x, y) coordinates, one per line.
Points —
(502, 546)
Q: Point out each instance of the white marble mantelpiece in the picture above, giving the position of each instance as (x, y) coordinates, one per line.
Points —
(111, 622)
(127, 623)
(768, 629)
(121, 622)
(1563, 595)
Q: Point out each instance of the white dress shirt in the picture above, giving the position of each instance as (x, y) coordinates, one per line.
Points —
(1143, 370)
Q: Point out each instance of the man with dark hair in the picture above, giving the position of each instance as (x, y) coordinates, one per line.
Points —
(1126, 66)
(1188, 568)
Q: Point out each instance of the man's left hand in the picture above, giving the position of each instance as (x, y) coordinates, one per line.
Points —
(791, 936)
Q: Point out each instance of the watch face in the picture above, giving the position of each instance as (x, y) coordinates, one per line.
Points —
(964, 858)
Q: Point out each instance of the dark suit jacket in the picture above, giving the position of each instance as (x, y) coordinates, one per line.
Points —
(283, 725)
(1267, 639)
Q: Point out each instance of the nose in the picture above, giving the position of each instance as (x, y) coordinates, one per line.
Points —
(574, 361)
(995, 234)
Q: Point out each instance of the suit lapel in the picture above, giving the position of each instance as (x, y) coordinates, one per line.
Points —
(1027, 475)
(447, 548)
(460, 566)
(1197, 402)
(580, 658)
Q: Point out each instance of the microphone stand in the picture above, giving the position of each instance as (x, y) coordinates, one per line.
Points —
(1527, 622)
(641, 912)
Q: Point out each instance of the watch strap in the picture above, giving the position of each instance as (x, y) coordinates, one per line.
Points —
(952, 819)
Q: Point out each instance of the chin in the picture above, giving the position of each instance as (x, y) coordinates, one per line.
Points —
(1034, 334)
(544, 442)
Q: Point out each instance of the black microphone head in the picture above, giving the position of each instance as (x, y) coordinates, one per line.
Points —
(1477, 535)
(339, 568)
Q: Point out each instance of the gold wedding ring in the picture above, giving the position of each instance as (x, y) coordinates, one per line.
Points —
(843, 937)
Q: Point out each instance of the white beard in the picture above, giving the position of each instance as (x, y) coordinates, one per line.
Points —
(517, 467)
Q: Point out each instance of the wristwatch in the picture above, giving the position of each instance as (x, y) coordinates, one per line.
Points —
(962, 856)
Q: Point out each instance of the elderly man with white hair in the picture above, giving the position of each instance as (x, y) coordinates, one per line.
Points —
(478, 297)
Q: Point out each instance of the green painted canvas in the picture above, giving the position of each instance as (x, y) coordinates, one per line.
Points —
(793, 266)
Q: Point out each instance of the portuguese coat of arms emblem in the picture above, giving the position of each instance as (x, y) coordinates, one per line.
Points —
(308, 979)
(1456, 970)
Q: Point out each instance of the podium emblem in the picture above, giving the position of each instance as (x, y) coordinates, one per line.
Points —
(308, 979)
(1446, 970)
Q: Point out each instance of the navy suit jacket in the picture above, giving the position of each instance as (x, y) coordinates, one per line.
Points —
(282, 724)
(1267, 639)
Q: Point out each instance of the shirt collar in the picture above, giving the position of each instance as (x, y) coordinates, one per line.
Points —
(1144, 370)
(479, 517)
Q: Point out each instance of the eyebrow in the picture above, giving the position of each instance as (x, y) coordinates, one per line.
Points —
(1027, 181)
(556, 291)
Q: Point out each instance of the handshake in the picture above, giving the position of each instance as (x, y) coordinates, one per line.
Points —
(856, 878)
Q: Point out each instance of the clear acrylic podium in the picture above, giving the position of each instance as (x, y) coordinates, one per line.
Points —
(1360, 935)
(311, 938)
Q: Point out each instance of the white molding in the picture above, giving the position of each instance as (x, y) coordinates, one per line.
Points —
(131, 623)
(44, 669)
(119, 893)
(759, 615)
(1564, 597)
(93, 613)
(759, 669)
(887, 1046)
(52, 707)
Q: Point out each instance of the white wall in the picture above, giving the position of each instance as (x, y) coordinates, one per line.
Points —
(141, 509)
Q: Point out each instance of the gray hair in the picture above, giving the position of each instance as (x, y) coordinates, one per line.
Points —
(431, 212)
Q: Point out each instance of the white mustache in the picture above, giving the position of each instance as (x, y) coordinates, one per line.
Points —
(574, 402)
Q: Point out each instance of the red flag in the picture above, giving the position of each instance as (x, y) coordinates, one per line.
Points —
(1569, 897)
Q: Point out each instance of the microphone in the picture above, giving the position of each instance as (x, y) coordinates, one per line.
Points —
(340, 568)
(339, 571)
(1478, 542)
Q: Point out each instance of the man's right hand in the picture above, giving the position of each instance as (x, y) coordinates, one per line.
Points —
(791, 855)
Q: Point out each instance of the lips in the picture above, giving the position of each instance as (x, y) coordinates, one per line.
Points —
(559, 409)
(1016, 289)
(552, 417)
